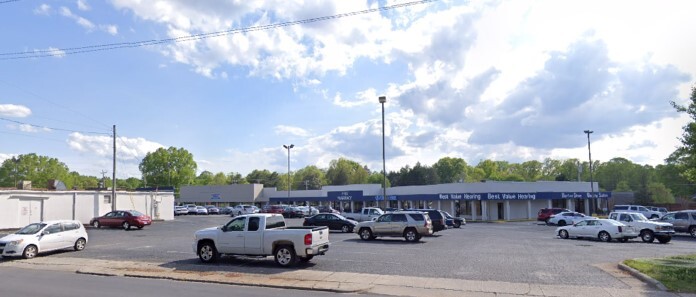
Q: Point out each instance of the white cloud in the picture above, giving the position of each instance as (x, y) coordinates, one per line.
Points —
(296, 131)
(55, 52)
(82, 5)
(43, 9)
(31, 129)
(127, 149)
(111, 29)
(83, 22)
(13, 110)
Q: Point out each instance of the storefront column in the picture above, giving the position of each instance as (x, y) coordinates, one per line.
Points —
(439, 204)
(398, 204)
(569, 204)
(452, 212)
(506, 215)
(587, 207)
(529, 209)
(549, 204)
(473, 210)
(484, 210)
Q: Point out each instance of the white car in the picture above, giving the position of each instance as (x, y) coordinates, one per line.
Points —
(200, 210)
(244, 209)
(44, 237)
(602, 229)
(567, 218)
(180, 210)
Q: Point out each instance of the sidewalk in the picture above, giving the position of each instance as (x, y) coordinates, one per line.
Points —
(340, 282)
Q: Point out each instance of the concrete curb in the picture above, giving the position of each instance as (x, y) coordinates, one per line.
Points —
(643, 277)
(308, 286)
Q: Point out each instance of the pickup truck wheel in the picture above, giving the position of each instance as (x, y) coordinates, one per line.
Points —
(604, 236)
(647, 236)
(207, 252)
(563, 234)
(346, 229)
(306, 259)
(411, 235)
(664, 239)
(365, 234)
(285, 256)
(692, 230)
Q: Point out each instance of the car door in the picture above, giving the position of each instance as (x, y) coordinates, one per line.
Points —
(681, 221)
(383, 224)
(71, 232)
(333, 222)
(231, 240)
(106, 220)
(253, 237)
(626, 219)
(51, 238)
(578, 230)
(398, 223)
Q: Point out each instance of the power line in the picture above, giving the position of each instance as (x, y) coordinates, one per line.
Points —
(8, 1)
(52, 128)
(111, 46)
(51, 102)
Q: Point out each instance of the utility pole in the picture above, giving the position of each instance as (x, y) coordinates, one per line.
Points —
(103, 181)
(113, 174)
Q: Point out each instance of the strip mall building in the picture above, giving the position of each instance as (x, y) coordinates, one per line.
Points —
(484, 201)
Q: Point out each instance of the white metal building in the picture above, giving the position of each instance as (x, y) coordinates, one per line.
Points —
(18, 208)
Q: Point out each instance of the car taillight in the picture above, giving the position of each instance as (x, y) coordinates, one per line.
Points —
(308, 239)
(620, 229)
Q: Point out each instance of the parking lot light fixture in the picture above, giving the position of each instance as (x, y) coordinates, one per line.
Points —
(382, 100)
(288, 147)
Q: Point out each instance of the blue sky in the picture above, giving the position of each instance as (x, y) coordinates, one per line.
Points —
(501, 80)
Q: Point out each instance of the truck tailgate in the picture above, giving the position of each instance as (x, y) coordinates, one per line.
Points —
(320, 236)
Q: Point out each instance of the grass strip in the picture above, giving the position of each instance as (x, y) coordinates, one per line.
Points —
(677, 273)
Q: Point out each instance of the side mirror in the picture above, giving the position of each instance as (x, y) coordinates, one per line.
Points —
(374, 219)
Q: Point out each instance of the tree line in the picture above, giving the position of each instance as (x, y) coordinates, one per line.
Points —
(176, 167)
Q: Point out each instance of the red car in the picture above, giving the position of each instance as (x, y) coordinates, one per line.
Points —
(274, 209)
(122, 218)
(546, 213)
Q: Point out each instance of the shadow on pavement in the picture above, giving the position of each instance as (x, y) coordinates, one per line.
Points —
(232, 264)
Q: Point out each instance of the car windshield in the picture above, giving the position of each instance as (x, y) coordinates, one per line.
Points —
(638, 217)
(340, 217)
(31, 228)
(136, 213)
(449, 216)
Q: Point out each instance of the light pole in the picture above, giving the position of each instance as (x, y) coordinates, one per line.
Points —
(589, 151)
(382, 100)
(288, 147)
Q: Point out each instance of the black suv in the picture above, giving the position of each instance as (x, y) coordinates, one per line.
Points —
(437, 217)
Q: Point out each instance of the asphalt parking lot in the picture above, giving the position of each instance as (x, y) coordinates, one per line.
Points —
(510, 252)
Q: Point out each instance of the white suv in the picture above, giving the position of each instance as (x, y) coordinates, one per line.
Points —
(244, 209)
(650, 214)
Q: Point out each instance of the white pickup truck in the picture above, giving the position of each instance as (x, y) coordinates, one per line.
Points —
(649, 230)
(261, 235)
(366, 214)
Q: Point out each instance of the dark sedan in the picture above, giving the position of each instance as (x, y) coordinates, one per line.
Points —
(122, 218)
(293, 212)
(455, 222)
(333, 221)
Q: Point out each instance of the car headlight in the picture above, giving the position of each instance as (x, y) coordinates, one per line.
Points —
(15, 242)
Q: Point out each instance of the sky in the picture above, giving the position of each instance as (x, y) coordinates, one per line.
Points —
(502, 80)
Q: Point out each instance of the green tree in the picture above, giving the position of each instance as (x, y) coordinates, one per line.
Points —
(450, 170)
(623, 186)
(490, 169)
(685, 155)
(264, 177)
(377, 178)
(236, 178)
(169, 167)
(658, 193)
(34, 168)
(205, 178)
(130, 183)
(220, 179)
(346, 172)
(530, 170)
(309, 178)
